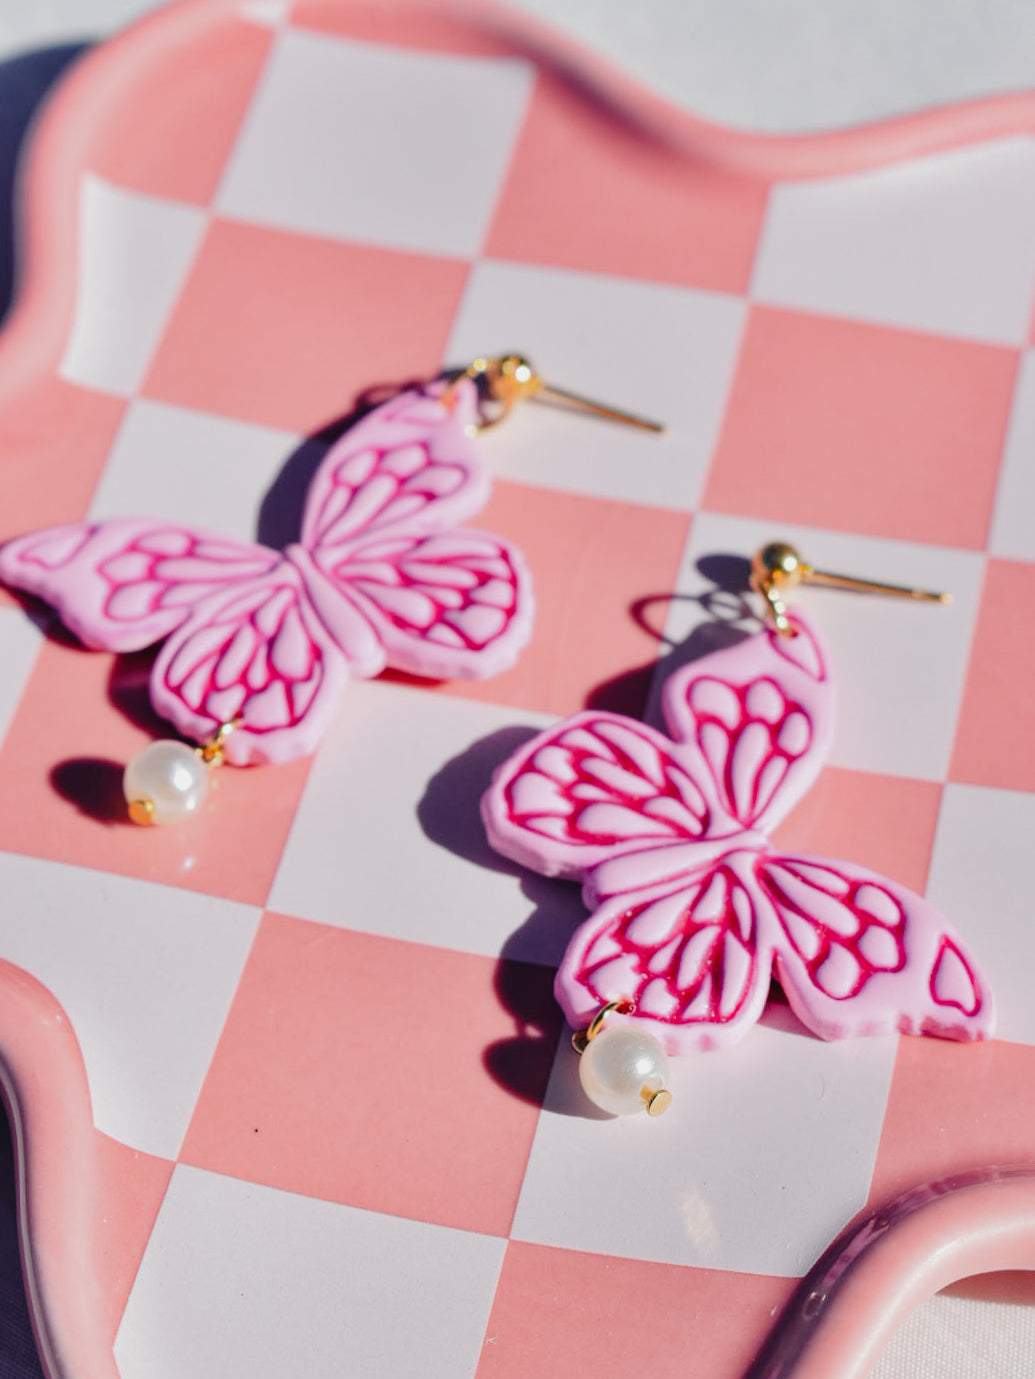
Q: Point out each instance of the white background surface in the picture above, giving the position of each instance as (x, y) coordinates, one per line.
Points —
(764, 64)
(773, 65)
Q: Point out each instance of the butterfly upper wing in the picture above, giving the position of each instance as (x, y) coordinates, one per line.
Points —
(859, 954)
(408, 462)
(444, 601)
(693, 957)
(124, 584)
(754, 723)
(249, 634)
(594, 788)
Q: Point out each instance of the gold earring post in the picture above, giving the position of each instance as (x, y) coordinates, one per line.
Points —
(778, 567)
(599, 409)
(510, 378)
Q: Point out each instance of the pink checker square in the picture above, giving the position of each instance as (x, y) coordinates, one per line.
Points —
(55, 437)
(286, 330)
(598, 195)
(131, 1186)
(591, 559)
(995, 739)
(343, 1074)
(884, 822)
(863, 428)
(953, 1107)
(185, 120)
(554, 1307)
(61, 793)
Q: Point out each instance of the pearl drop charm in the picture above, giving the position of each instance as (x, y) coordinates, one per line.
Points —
(624, 1070)
(164, 783)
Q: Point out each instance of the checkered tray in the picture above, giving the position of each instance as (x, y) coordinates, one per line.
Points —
(324, 1118)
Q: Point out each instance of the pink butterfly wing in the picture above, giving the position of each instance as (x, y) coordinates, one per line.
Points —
(444, 601)
(754, 723)
(455, 604)
(125, 584)
(409, 463)
(595, 787)
(859, 954)
(259, 653)
(692, 958)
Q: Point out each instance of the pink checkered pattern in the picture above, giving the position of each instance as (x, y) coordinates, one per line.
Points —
(335, 1112)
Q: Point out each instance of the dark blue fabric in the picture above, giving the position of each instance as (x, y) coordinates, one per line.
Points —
(24, 80)
(17, 1348)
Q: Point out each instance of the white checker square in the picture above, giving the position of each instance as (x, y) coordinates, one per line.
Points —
(388, 838)
(944, 243)
(899, 667)
(146, 975)
(240, 1280)
(390, 147)
(979, 878)
(268, 14)
(665, 353)
(1013, 531)
(20, 640)
(191, 467)
(766, 1152)
(135, 252)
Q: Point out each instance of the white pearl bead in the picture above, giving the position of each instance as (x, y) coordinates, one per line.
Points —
(618, 1063)
(169, 775)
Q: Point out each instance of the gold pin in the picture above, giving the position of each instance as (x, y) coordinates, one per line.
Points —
(510, 378)
(778, 567)
(582, 1037)
(211, 751)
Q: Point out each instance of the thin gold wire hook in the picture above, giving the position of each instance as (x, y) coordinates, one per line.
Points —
(778, 567)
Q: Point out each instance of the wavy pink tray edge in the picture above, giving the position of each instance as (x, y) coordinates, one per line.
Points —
(41, 1071)
(44, 1087)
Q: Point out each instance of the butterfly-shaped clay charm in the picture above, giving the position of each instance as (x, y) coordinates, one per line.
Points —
(382, 575)
(693, 909)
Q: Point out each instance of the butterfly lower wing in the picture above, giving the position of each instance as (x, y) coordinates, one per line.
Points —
(591, 790)
(754, 721)
(258, 655)
(692, 959)
(859, 954)
(125, 584)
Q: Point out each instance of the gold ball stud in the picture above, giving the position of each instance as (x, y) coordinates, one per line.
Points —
(777, 564)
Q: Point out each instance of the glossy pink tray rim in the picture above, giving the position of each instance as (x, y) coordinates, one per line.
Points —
(45, 1091)
(846, 1308)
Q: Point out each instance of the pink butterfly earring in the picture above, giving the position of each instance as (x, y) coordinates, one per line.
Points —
(258, 643)
(693, 909)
